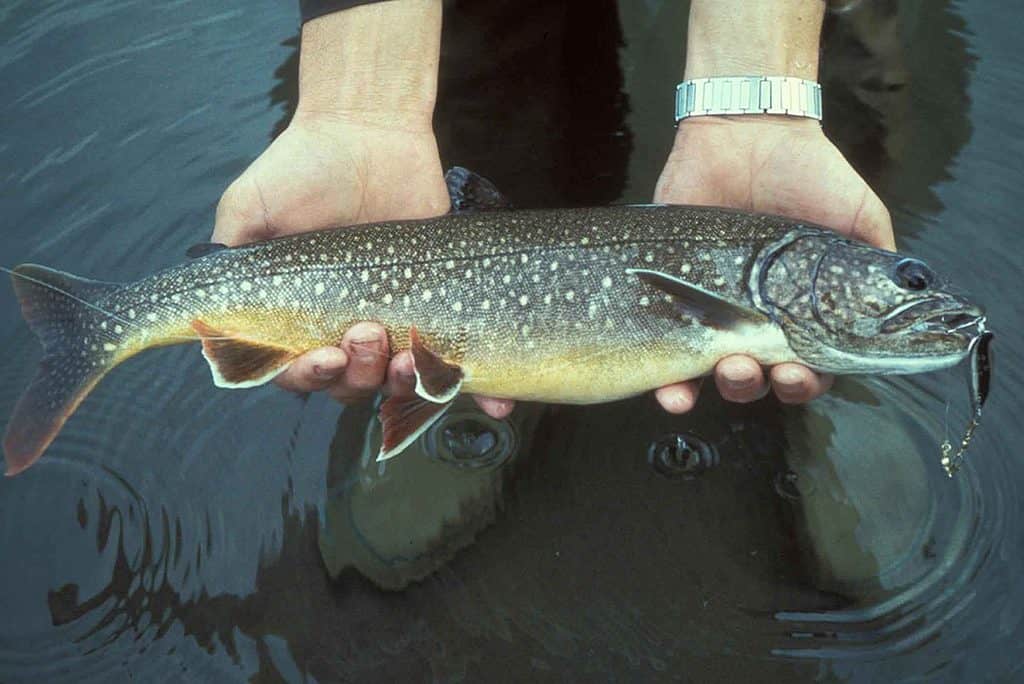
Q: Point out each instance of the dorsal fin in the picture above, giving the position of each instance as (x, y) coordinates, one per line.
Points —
(712, 309)
(472, 192)
(203, 248)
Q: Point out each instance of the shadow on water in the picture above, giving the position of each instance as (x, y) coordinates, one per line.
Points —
(177, 534)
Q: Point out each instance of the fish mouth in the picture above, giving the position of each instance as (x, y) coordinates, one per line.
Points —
(949, 317)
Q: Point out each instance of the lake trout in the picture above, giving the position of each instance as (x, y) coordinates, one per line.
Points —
(567, 306)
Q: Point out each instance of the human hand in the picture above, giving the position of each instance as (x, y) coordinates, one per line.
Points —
(323, 172)
(773, 165)
(360, 148)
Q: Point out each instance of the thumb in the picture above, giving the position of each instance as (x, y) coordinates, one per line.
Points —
(873, 223)
(242, 213)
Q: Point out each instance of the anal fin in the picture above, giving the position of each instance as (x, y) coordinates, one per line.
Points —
(237, 361)
(403, 419)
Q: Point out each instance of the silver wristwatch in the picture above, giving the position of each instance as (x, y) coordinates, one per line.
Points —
(748, 95)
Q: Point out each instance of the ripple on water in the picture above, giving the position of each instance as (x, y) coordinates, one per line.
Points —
(118, 536)
(935, 586)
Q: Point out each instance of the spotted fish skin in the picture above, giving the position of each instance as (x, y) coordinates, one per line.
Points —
(574, 306)
(531, 304)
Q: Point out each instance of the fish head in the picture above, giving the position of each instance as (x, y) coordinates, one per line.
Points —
(847, 307)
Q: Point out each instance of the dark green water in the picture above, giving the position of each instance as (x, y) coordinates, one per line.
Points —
(175, 532)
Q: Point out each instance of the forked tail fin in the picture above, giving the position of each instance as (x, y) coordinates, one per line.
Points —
(79, 346)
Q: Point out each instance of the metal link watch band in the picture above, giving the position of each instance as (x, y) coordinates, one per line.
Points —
(748, 95)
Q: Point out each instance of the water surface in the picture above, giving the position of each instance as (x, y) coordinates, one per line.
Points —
(176, 532)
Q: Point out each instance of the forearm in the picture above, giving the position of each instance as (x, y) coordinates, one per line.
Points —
(754, 38)
(374, 64)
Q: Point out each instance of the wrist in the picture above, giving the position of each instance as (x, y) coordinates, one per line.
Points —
(373, 64)
(754, 37)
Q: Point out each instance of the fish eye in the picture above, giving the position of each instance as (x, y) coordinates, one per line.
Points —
(913, 274)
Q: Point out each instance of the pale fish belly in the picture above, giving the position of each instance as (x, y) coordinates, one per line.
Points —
(595, 373)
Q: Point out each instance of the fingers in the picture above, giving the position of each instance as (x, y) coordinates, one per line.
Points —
(796, 384)
(740, 379)
(314, 371)
(401, 377)
(350, 372)
(678, 398)
(494, 407)
(366, 345)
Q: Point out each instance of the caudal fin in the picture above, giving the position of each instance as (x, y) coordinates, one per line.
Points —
(79, 341)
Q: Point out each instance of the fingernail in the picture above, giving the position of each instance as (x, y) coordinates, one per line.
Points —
(324, 373)
(788, 377)
(367, 349)
(738, 378)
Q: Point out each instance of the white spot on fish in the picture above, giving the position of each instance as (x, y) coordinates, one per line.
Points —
(526, 331)
(457, 306)
(584, 240)
(485, 305)
(407, 272)
(469, 273)
(506, 279)
(524, 258)
(406, 301)
(648, 257)
(427, 294)
(277, 280)
(547, 299)
(738, 260)
(103, 325)
(487, 262)
(719, 281)
(388, 298)
(644, 301)
(107, 346)
(570, 295)
(364, 276)
(449, 264)
(343, 293)
(246, 286)
(554, 266)
(131, 313)
(524, 300)
(606, 282)
(685, 269)
(319, 288)
(118, 329)
(287, 257)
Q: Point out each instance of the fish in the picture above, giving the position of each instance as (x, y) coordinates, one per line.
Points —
(556, 305)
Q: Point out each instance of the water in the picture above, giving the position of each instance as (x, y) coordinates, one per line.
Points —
(175, 532)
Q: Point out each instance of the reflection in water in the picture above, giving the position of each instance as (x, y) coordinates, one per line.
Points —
(614, 541)
(679, 455)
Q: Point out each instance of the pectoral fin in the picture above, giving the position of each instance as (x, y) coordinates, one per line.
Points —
(403, 419)
(237, 361)
(708, 307)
